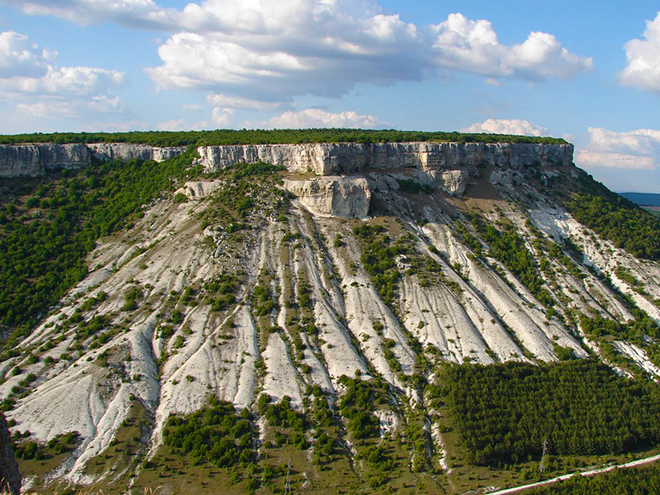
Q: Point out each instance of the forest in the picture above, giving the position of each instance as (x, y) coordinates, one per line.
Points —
(50, 225)
(275, 136)
(508, 412)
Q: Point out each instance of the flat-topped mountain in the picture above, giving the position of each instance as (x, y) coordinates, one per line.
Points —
(314, 316)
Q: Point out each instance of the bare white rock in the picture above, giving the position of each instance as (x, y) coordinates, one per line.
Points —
(333, 196)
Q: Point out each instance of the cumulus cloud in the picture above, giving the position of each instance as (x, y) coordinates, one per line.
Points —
(32, 82)
(258, 54)
(222, 116)
(107, 104)
(507, 126)
(21, 58)
(66, 80)
(472, 46)
(639, 149)
(261, 54)
(315, 118)
(643, 68)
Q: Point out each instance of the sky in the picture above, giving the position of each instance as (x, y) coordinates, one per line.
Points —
(587, 71)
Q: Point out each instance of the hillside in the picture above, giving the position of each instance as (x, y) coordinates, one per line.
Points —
(322, 317)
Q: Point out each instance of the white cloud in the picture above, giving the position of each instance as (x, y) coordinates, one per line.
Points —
(106, 104)
(643, 69)
(46, 108)
(222, 100)
(34, 85)
(507, 126)
(66, 80)
(21, 58)
(130, 13)
(261, 55)
(222, 116)
(315, 118)
(472, 46)
(639, 149)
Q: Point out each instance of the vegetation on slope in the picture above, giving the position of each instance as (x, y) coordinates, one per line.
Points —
(617, 219)
(642, 331)
(275, 136)
(379, 259)
(46, 234)
(509, 248)
(509, 412)
(213, 434)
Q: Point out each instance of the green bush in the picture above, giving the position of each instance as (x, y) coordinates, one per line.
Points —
(214, 434)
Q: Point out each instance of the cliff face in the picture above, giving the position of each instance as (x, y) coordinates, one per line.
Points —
(31, 160)
(321, 158)
(10, 478)
(333, 158)
(333, 196)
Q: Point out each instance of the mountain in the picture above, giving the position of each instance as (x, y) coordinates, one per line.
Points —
(642, 199)
(323, 316)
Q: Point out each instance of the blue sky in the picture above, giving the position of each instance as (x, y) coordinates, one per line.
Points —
(587, 71)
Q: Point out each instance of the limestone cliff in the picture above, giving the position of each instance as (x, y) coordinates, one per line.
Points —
(31, 160)
(334, 158)
(10, 478)
(321, 158)
(333, 196)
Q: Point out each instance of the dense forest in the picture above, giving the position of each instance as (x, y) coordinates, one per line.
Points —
(50, 225)
(509, 412)
(275, 136)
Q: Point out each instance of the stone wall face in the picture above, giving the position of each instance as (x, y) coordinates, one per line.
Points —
(31, 160)
(333, 158)
(320, 158)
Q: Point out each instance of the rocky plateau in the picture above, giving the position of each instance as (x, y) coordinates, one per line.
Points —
(469, 309)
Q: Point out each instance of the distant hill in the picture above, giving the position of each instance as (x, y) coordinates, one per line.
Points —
(642, 199)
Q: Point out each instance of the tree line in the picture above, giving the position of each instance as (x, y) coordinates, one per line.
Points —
(275, 136)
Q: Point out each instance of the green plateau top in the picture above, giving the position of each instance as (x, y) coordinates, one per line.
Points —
(275, 136)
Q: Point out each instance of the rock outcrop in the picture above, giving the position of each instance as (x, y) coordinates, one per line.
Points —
(335, 158)
(10, 478)
(126, 151)
(199, 189)
(32, 160)
(454, 182)
(333, 196)
(320, 158)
